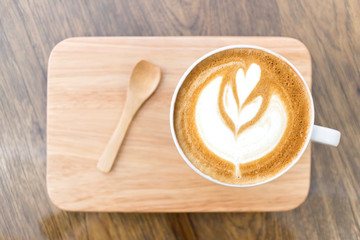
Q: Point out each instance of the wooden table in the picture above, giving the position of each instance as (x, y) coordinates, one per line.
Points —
(30, 29)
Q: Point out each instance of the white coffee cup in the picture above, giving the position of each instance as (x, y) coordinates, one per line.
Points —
(318, 134)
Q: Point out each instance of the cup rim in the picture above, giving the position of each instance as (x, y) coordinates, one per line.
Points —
(181, 81)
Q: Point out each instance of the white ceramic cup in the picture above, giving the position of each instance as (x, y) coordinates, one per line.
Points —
(318, 134)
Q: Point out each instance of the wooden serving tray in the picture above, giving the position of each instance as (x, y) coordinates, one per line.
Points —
(87, 81)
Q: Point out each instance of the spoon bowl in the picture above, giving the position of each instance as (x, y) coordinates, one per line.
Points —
(144, 79)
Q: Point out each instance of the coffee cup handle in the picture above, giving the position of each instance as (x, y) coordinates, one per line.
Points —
(325, 135)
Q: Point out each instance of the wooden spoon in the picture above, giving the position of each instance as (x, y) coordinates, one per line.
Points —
(144, 79)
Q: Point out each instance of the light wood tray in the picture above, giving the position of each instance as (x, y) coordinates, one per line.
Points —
(87, 81)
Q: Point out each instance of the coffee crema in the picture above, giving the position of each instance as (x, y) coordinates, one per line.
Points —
(242, 116)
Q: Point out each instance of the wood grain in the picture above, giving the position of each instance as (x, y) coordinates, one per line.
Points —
(87, 83)
(30, 29)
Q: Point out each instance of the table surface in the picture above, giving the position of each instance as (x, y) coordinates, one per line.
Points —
(30, 29)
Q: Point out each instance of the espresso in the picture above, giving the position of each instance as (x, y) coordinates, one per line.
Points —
(242, 116)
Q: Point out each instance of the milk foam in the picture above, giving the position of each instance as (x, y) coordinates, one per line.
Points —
(254, 142)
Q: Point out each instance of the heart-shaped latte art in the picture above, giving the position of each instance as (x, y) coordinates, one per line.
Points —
(245, 84)
(253, 142)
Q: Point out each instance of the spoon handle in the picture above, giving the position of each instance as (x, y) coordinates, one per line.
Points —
(107, 158)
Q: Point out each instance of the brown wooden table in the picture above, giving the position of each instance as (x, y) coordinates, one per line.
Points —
(30, 29)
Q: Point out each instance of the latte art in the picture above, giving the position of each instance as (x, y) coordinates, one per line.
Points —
(224, 139)
(242, 116)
